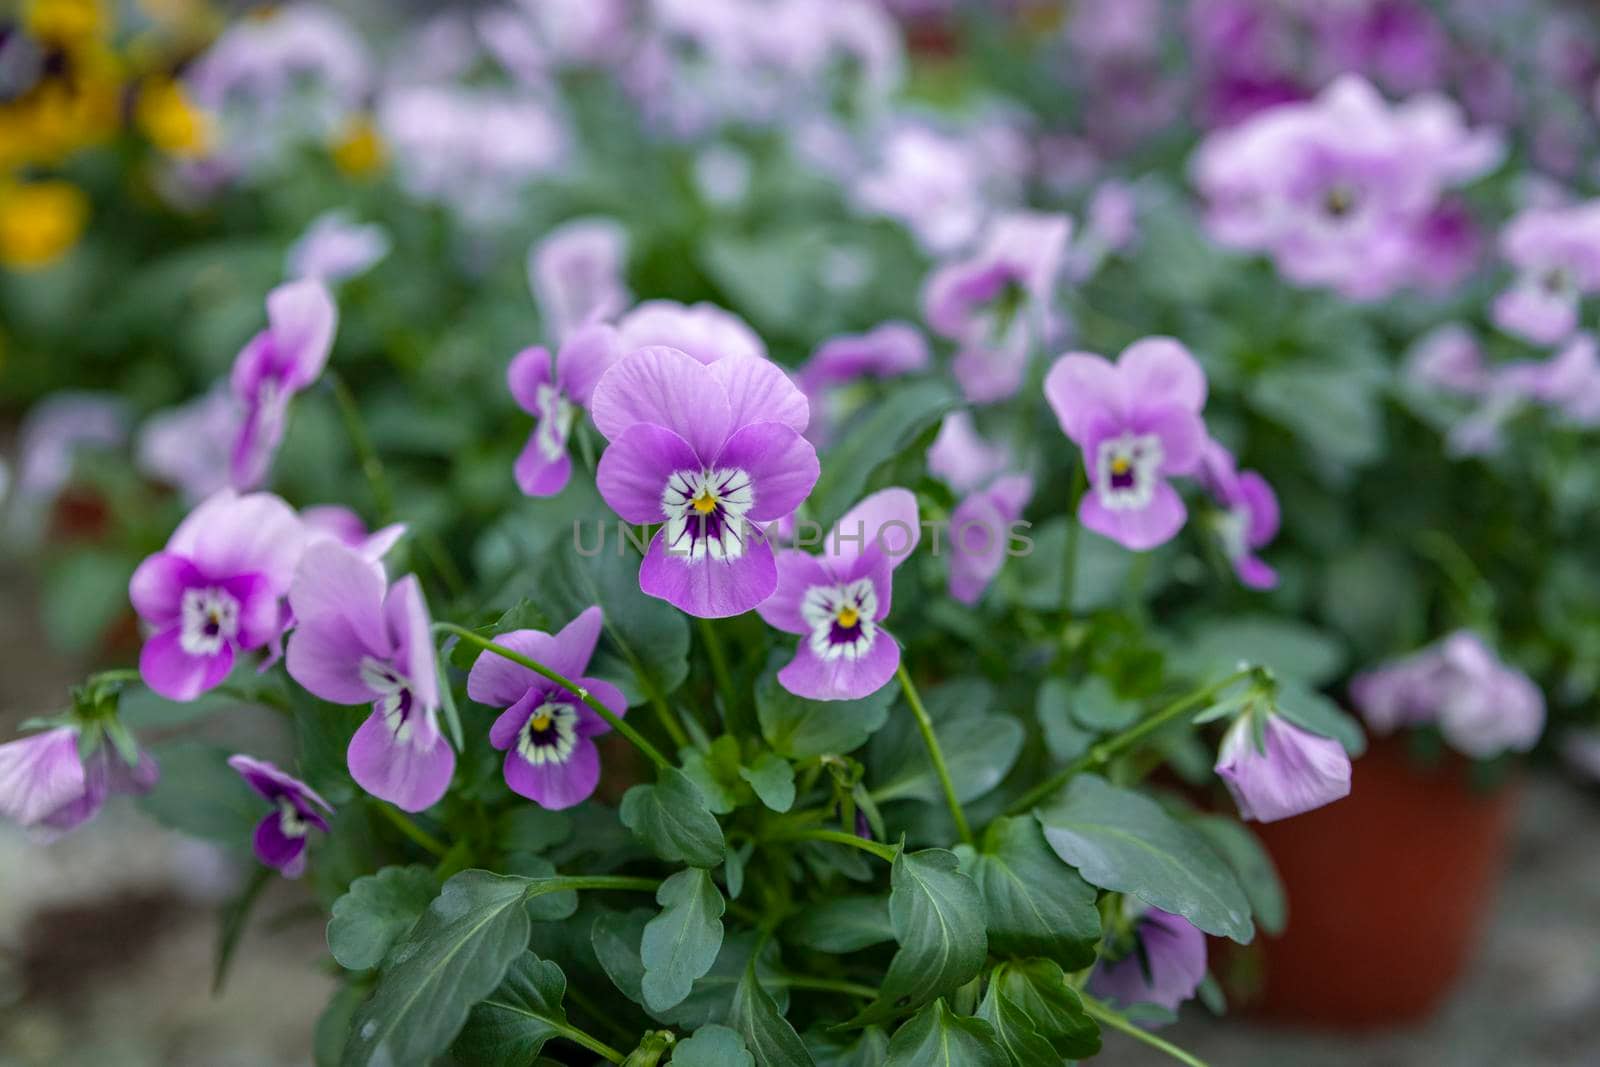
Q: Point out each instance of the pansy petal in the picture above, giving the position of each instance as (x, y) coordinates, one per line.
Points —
(886, 520)
(760, 391)
(1160, 370)
(586, 355)
(1081, 388)
(276, 849)
(530, 369)
(1139, 529)
(537, 473)
(633, 472)
(1262, 503)
(157, 587)
(1182, 435)
(410, 628)
(39, 773)
(710, 588)
(177, 675)
(556, 785)
(412, 777)
(303, 318)
(663, 387)
(977, 547)
(503, 734)
(336, 582)
(576, 641)
(590, 724)
(809, 675)
(782, 466)
(797, 572)
(230, 534)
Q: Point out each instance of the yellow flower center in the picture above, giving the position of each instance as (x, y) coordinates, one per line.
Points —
(848, 617)
(1120, 465)
(705, 503)
(541, 721)
(360, 150)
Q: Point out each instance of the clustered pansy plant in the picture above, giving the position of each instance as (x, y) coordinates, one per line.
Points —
(736, 565)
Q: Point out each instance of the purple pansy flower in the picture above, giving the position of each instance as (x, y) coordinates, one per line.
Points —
(547, 732)
(282, 834)
(704, 331)
(1449, 358)
(358, 641)
(576, 274)
(333, 522)
(961, 457)
(1138, 422)
(277, 363)
(1249, 517)
(837, 601)
(1166, 966)
(44, 783)
(216, 590)
(1482, 706)
(980, 534)
(996, 304)
(710, 450)
(335, 247)
(190, 446)
(554, 392)
(1556, 251)
(1294, 771)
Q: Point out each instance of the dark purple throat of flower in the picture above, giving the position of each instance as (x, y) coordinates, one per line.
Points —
(705, 512)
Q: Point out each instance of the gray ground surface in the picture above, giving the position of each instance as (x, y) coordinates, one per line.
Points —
(107, 938)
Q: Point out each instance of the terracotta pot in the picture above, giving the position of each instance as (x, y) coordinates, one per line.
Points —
(1388, 891)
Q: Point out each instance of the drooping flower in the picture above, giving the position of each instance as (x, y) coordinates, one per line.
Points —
(710, 450)
(335, 247)
(1556, 251)
(704, 331)
(1165, 967)
(1138, 423)
(1481, 706)
(887, 351)
(358, 641)
(576, 274)
(190, 446)
(547, 732)
(283, 833)
(555, 392)
(277, 363)
(1249, 517)
(980, 534)
(45, 784)
(837, 601)
(1289, 772)
(996, 305)
(216, 590)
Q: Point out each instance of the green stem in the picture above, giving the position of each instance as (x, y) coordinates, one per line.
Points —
(935, 754)
(837, 837)
(405, 825)
(669, 722)
(1069, 558)
(719, 664)
(568, 684)
(1104, 752)
(563, 883)
(826, 985)
(1117, 1021)
(562, 1029)
(366, 454)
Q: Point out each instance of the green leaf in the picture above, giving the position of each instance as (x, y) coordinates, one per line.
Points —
(889, 428)
(937, 914)
(715, 773)
(772, 777)
(1251, 864)
(681, 943)
(510, 1028)
(1035, 905)
(455, 956)
(333, 1025)
(869, 1048)
(1310, 710)
(199, 794)
(1014, 1030)
(1121, 840)
(979, 747)
(936, 1037)
(1096, 706)
(713, 1046)
(841, 924)
(733, 868)
(527, 828)
(377, 910)
(711, 999)
(616, 936)
(804, 729)
(545, 906)
(1039, 987)
(1293, 650)
(1335, 412)
(646, 645)
(671, 818)
(1065, 739)
(767, 1034)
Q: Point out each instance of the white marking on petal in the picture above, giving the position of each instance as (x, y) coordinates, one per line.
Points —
(210, 619)
(549, 735)
(1127, 469)
(841, 618)
(705, 513)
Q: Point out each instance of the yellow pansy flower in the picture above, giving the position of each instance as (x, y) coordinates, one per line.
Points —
(39, 222)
